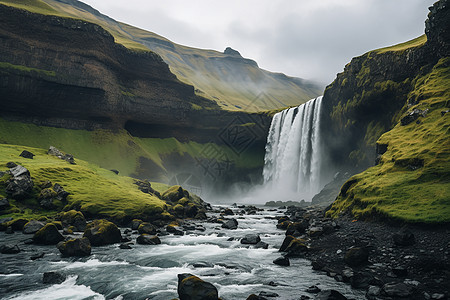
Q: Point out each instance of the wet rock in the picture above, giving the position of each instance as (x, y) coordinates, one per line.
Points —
(191, 287)
(255, 297)
(228, 212)
(317, 265)
(32, 227)
(9, 249)
(126, 246)
(115, 171)
(284, 225)
(9, 230)
(297, 228)
(313, 289)
(37, 256)
(400, 271)
(373, 292)
(315, 231)
(4, 204)
(75, 247)
(356, 256)
(261, 245)
(293, 247)
(74, 218)
(230, 224)
(250, 239)
(53, 278)
(282, 261)
(102, 232)
(147, 239)
(135, 224)
(26, 154)
(18, 224)
(400, 290)
(176, 230)
(61, 193)
(147, 228)
(362, 280)
(48, 235)
(330, 295)
(175, 193)
(404, 238)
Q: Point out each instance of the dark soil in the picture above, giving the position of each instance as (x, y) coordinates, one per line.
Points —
(423, 267)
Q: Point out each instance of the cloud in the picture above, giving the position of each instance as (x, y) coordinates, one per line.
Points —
(311, 39)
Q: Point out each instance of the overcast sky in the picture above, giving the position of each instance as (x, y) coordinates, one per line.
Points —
(311, 39)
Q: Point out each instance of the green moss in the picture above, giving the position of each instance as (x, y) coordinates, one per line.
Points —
(400, 187)
(4, 66)
(111, 196)
(196, 107)
(36, 6)
(417, 42)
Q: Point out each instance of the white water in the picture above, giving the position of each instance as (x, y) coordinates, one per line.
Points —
(292, 164)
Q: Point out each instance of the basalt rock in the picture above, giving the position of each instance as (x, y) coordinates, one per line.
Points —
(75, 247)
(230, 224)
(102, 232)
(21, 185)
(4, 204)
(48, 235)
(147, 239)
(73, 218)
(53, 278)
(26, 154)
(32, 227)
(191, 287)
(251, 239)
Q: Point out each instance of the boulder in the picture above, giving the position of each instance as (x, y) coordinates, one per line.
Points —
(400, 290)
(67, 157)
(17, 224)
(37, 256)
(135, 224)
(73, 218)
(61, 193)
(32, 227)
(404, 238)
(330, 295)
(250, 239)
(26, 154)
(175, 193)
(228, 212)
(11, 164)
(102, 232)
(255, 297)
(297, 228)
(53, 278)
(147, 239)
(293, 247)
(176, 230)
(125, 246)
(21, 185)
(264, 294)
(314, 289)
(282, 261)
(115, 171)
(4, 204)
(48, 235)
(356, 256)
(147, 228)
(230, 224)
(261, 245)
(75, 247)
(315, 231)
(412, 116)
(191, 287)
(9, 249)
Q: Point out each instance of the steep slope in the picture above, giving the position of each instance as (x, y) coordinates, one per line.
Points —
(226, 78)
(403, 92)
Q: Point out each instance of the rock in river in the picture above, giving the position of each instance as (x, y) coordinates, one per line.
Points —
(191, 287)
(102, 232)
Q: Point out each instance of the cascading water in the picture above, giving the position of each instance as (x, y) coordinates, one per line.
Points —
(292, 162)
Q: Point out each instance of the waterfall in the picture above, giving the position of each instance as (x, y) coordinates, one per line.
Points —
(293, 150)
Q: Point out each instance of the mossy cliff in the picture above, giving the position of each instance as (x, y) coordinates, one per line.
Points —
(391, 106)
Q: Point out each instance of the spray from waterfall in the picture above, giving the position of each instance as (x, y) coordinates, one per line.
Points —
(292, 163)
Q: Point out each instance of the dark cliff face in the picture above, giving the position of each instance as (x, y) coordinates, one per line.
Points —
(70, 73)
(366, 99)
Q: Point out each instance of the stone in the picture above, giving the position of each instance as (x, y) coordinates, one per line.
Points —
(26, 154)
(261, 245)
(32, 227)
(400, 271)
(37, 256)
(48, 235)
(250, 239)
(315, 231)
(356, 256)
(17, 224)
(228, 212)
(75, 247)
(147, 239)
(230, 224)
(21, 185)
(176, 230)
(67, 157)
(373, 292)
(412, 116)
(53, 278)
(404, 238)
(73, 218)
(102, 232)
(115, 171)
(268, 294)
(135, 224)
(401, 290)
(147, 228)
(9, 249)
(61, 193)
(330, 295)
(282, 261)
(4, 204)
(297, 228)
(313, 289)
(191, 287)
(125, 246)
(362, 280)
(293, 247)
(11, 164)
(175, 193)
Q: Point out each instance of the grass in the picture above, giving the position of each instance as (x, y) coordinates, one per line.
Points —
(94, 190)
(417, 42)
(4, 66)
(392, 189)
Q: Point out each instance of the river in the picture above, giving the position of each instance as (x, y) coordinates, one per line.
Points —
(151, 271)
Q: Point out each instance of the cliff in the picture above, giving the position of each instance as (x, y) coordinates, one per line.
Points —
(390, 106)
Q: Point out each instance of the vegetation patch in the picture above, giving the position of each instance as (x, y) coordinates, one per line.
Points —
(4, 66)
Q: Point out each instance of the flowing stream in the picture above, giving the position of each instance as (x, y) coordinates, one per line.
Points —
(151, 271)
